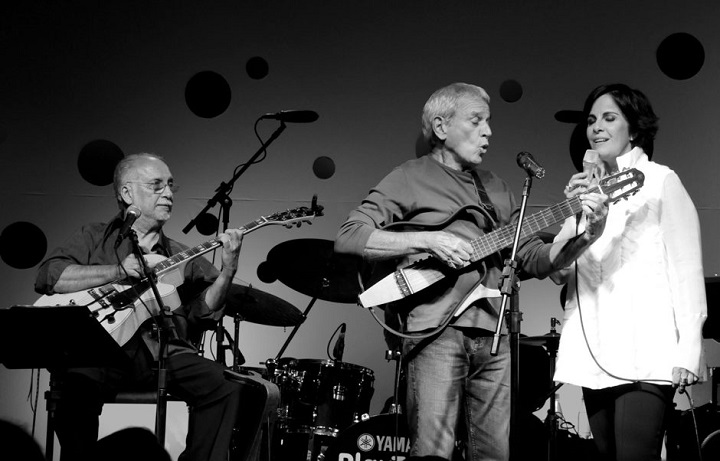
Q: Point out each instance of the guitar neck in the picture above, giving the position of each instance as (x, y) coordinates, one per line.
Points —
(498, 239)
(186, 255)
(192, 253)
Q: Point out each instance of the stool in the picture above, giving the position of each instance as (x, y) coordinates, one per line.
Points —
(252, 435)
(53, 395)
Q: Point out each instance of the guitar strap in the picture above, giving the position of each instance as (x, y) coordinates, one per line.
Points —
(483, 198)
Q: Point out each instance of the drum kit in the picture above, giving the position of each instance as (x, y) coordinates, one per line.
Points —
(324, 405)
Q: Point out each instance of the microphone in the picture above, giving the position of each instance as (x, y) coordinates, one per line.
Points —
(293, 116)
(526, 161)
(590, 164)
(339, 348)
(131, 214)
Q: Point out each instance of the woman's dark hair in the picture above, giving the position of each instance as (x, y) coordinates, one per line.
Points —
(636, 108)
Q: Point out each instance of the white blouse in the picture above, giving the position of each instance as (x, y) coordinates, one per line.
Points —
(638, 305)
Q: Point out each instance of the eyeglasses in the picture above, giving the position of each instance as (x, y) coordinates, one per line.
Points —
(158, 186)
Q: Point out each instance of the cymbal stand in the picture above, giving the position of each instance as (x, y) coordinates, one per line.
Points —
(238, 358)
(396, 355)
(552, 420)
(271, 363)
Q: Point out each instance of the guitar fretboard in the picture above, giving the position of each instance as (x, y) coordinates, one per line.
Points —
(288, 216)
(188, 254)
(488, 244)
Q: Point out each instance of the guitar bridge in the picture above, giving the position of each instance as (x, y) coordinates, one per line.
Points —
(402, 283)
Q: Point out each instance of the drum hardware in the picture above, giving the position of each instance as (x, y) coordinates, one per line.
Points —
(245, 303)
(396, 355)
(319, 399)
(338, 392)
(551, 342)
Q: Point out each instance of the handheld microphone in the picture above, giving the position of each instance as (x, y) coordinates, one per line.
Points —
(590, 164)
(131, 215)
(293, 116)
(339, 348)
(526, 161)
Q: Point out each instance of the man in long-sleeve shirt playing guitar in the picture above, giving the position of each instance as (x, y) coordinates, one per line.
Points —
(91, 258)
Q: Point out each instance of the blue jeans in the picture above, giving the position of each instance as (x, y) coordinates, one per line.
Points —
(451, 376)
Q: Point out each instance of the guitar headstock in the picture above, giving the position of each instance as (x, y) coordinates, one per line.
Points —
(296, 216)
(621, 185)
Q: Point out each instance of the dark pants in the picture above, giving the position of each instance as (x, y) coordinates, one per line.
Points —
(628, 421)
(213, 401)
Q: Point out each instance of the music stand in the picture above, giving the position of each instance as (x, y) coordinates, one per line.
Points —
(55, 338)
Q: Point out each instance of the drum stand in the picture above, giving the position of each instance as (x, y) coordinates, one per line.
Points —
(220, 335)
(552, 416)
(396, 355)
(271, 364)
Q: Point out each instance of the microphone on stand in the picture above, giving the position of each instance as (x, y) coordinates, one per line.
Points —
(526, 161)
(339, 348)
(293, 116)
(131, 215)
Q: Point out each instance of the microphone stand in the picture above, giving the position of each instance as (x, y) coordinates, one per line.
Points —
(221, 193)
(508, 286)
(163, 331)
(220, 332)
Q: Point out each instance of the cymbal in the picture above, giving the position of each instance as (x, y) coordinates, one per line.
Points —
(550, 340)
(255, 306)
(311, 267)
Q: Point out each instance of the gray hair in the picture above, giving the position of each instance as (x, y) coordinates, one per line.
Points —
(443, 103)
(122, 169)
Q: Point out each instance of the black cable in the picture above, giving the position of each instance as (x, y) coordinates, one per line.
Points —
(34, 405)
(620, 378)
(409, 335)
(257, 160)
(695, 424)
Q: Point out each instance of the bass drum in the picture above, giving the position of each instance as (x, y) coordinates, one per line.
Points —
(383, 437)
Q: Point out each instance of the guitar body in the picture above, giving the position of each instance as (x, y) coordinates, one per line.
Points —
(409, 276)
(119, 317)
